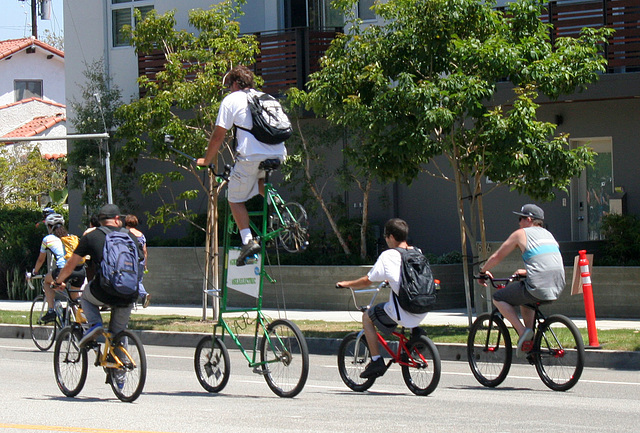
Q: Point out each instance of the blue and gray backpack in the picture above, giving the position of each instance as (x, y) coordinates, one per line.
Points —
(122, 268)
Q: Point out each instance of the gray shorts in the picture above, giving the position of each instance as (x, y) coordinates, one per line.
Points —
(385, 324)
(243, 181)
(515, 293)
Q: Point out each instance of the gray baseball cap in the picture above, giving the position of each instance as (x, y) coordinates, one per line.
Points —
(531, 210)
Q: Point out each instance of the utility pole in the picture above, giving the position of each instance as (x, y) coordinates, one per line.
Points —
(34, 19)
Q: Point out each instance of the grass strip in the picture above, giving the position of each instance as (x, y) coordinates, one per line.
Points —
(609, 339)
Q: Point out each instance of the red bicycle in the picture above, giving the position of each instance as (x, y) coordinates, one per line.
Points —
(416, 354)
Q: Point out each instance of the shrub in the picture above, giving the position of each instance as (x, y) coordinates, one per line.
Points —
(19, 248)
(622, 244)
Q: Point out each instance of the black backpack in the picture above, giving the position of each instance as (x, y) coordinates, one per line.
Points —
(270, 123)
(417, 292)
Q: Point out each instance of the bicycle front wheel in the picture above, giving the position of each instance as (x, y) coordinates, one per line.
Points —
(212, 364)
(127, 381)
(294, 236)
(70, 362)
(353, 357)
(285, 358)
(489, 350)
(558, 353)
(422, 372)
(42, 334)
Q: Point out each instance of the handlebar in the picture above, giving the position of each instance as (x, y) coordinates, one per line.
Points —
(375, 291)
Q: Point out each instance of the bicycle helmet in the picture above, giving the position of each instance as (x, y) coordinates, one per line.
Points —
(47, 211)
(53, 220)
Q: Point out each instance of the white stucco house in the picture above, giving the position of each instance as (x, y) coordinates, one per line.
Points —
(32, 94)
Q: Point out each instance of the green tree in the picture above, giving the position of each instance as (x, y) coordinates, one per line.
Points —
(183, 99)
(421, 85)
(25, 176)
(94, 113)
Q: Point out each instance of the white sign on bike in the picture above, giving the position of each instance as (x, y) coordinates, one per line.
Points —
(245, 279)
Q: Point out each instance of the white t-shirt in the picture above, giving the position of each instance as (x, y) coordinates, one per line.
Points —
(234, 110)
(387, 267)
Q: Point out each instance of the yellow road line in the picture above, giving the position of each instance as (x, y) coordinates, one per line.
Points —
(68, 429)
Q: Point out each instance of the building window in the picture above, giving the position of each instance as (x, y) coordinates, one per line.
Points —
(364, 10)
(25, 89)
(122, 15)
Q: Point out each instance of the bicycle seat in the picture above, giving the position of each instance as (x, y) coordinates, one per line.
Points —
(269, 164)
(534, 305)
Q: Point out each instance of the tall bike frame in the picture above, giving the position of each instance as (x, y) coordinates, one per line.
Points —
(283, 354)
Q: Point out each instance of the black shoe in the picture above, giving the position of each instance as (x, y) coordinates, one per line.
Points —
(49, 317)
(375, 369)
(247, 250)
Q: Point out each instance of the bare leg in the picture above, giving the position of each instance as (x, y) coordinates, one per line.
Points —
(509, 312)
(49, 293)
(240, 215)
(370, 334)
(528, 315)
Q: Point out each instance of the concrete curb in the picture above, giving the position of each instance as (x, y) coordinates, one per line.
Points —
(619, 360)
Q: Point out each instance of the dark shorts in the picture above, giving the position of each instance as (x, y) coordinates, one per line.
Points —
(515, 293)
(76, 279)
(385, 324)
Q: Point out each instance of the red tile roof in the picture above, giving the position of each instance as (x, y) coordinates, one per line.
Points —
(36, 126)
(12, 46)
(24, 101)
(52, 156)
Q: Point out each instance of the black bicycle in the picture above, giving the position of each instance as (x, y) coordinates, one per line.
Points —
(557, 353)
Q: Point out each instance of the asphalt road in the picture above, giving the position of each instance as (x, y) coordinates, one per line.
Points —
(173, 401)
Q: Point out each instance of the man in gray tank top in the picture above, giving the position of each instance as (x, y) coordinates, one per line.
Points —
(543, 272)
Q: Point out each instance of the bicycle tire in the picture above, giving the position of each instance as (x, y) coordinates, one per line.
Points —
(423, 377)
(285, 358)
(70, 362)
(128, 381)
(212, 364)
(294, 237)
(558, 353)
(353, 357)
(42, 334)
(489, 350)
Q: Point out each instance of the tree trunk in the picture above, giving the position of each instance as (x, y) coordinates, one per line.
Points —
(365, 219)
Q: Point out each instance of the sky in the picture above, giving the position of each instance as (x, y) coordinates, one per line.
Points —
(15, 19)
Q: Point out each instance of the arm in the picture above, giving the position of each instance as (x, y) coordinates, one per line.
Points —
(356, 284)
(214, 146)
(517, 239)
(41, 258)
(71, 264)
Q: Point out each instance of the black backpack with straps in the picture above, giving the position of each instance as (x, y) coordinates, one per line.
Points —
(417, 291)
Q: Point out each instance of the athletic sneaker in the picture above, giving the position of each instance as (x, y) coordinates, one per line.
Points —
(249, 249)
(146, 300)
(524, 343)
(375, 369)
(120, 378)
(91, 334)
(49, 317)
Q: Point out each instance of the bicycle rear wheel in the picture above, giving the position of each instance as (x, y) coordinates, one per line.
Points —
(422, 375)
(558, 353)
(294, 236)
(489, 350)
(285, 358)
(128, 381)
(212, 364)
(69, 361)
(42, 334)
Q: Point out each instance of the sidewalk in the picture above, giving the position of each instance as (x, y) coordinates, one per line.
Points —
(457, 317)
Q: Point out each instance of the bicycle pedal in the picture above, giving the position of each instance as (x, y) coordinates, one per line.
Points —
(261, 371)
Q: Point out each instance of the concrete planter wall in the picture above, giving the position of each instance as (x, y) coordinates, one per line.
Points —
(176, 277)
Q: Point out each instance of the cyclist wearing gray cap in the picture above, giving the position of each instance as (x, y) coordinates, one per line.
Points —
(543, 273)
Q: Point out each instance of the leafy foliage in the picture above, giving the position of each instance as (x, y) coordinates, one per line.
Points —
(25, 176)
(183, 99)
(422, 84)
(20, 238)
(622, 245)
